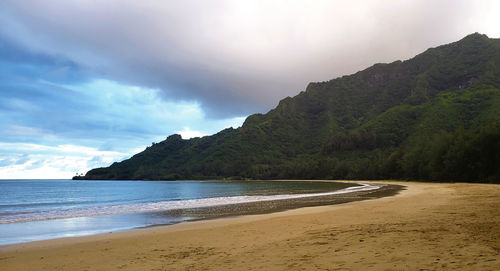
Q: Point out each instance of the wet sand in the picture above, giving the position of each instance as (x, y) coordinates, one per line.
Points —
(273, 206)
(425, 227)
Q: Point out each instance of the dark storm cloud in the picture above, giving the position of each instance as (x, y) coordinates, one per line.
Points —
(235, 57)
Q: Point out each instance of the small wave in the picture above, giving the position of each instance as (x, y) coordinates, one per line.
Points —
(167, 205)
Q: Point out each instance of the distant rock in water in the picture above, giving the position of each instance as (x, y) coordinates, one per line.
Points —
(433, 117)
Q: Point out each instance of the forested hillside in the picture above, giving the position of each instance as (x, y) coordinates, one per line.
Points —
(433, 117)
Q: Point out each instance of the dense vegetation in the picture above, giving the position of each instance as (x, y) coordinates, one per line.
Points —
(433, 117)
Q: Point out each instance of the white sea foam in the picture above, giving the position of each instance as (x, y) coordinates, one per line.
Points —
(168, 205)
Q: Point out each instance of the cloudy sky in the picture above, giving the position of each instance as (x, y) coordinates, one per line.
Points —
(84, 83)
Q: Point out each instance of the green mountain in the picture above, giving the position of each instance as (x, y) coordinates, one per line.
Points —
(433, 117)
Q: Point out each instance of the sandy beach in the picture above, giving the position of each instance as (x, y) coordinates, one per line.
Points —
(428, 226)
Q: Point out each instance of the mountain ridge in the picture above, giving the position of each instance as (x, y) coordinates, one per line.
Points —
(367, 125)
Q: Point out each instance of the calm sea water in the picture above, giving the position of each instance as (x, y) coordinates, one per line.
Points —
(44, 209)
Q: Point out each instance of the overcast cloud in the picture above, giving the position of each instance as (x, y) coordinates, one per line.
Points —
(115, 75)
(237, 57)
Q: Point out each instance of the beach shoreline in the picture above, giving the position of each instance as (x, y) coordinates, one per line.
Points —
(426, 226)
(68, 223)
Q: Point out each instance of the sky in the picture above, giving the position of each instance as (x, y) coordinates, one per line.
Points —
(85, 83)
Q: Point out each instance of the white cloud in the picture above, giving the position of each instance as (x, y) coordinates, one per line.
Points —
(36, 161)
(67, 149)
(187, 133)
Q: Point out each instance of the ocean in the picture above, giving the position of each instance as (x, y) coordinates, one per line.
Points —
(32, 210)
